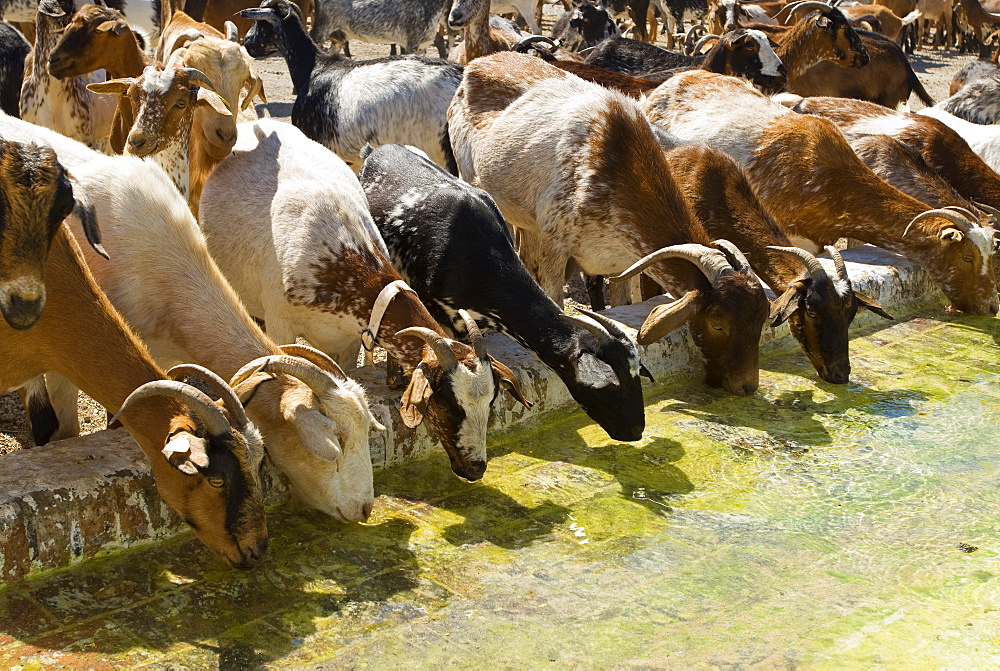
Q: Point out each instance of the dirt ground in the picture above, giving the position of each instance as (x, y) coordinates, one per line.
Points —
(935, 68)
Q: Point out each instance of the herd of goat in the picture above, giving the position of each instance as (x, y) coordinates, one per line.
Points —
(414, 202)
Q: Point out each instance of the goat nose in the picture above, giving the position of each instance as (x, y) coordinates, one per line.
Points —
(20, 312)
(258, 551)
(366, 510)
(136, 141)
(749, 388)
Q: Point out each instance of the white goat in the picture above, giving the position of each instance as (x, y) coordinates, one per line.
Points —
(302, 251)
(315, 421)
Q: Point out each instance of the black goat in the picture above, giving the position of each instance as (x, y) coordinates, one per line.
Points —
(13, 50)
(345, 104)
(583, 27)
(449, 241)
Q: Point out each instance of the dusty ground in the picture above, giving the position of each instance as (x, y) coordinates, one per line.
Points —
(935, 69)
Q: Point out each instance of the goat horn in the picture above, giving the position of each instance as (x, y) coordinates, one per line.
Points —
(838, 263)
(475, 335)
(232, 32)
(609, 324)
(588, 323)
(689, 37)
(711, 262)
(437, 342)
(259, 14)
(306, 372)
(988, 209)
(315, 356)
(702, 42)
(969, 215)
(532, 42)
(198, 77)
(209, 413)
(736, 258)
(225, 392)
(808, 5)
(815, 268)
(961, 223)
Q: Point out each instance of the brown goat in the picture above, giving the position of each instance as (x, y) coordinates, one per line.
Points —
(37, 196)
(479, 38)
(819, 307)
(210, 475)
(815, 186)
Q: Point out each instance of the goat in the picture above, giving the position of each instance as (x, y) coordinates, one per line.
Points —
(977, 101)
(161, 104)
(205, 470)
(97, 38)
(941, 148)
(584, 27)
(451, 244)
(413, 26)
(65, 105)
(727, 15)
(344, 104)
(525, 9)
(973, 71)
(889, 24)
(595, 199)
(37, 196)
(742, 53)
(315, 422)
(818, 306)
(480, 35)
(13, 52)
(796, 161)
(307, 230)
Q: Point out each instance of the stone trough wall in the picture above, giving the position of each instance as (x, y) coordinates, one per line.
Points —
(77, 498)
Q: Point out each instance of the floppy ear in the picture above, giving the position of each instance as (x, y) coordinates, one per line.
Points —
(950, 235)
(208, 98)
(116, 86)
(246, 389)
(121, 125)
(414, 401)
(785, 304)
(510, 383)
(318, 433)
(870, 304)
(186, 452)
(665, 319)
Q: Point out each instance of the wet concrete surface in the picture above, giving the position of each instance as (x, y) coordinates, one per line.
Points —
(809, 526)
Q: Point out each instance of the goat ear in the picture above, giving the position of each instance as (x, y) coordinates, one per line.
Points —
(414, 401)
(117, 27)
(318, 433)
(950, 235)
(786, 304)
(206, 98)
(245, 390)
(186, 452)
(665, 319)
(509, 382)
(115, 86)
(869, 304)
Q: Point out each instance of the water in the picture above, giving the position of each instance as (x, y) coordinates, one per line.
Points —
(812, 525)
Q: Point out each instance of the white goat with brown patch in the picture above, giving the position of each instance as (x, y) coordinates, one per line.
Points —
(302, 251)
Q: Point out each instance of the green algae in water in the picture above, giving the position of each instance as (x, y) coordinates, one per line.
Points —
(811, 525)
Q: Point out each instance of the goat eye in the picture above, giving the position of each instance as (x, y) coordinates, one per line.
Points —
(181, 104)
(811, 314)
(717, 326)
(967, 259)
(216, 482)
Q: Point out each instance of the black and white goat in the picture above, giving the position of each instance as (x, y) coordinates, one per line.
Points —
(412, 24)
(345, 104)
(449, 242)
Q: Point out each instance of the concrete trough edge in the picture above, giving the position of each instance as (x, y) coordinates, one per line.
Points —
(93, 495)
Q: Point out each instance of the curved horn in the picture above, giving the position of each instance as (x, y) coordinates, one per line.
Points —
(475, 335)
(51, 8)
(437, 342)
(736, 258)
(83, 209)
(260, 14)
(808, 5)
(710, 261)
(961, 210)
(533, 40)
(702, 42)
(610, 325)
(218, 385)
(304, 371)
(198, 77)
(588, 323)
(690, 39)
(815, 268)
(961, 223)
(315, 356)
(232, 32)
(209, 413)
(988, 209)
(838, 263)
